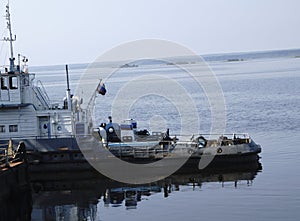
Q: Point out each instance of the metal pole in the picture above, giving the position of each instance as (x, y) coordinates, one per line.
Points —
(68, 90)
(11, 59)
(67, 73)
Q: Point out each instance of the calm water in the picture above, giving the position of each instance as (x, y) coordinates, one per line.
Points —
(262, 98)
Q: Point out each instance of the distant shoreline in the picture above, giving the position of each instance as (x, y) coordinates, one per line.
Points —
(222, 57)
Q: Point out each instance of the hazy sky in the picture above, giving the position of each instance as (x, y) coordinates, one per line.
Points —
(71, 31)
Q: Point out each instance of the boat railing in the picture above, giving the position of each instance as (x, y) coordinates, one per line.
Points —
(179, 139)
(150, 151)
(212, 136)
(40, 84)
(58, 136)
(42, 94)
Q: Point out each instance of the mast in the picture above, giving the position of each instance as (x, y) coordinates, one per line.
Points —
(10, 39)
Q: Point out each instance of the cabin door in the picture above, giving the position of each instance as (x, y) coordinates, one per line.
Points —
(45, 127)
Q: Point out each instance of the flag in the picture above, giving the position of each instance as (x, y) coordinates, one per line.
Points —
(101, 88)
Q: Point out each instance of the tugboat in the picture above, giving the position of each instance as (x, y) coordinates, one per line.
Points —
(27, 114)
(52, 132)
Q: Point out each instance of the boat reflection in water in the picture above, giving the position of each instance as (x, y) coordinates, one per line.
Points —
(78, 196)
(16, 205)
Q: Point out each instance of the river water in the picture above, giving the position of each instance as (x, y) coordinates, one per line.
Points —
(262, 98)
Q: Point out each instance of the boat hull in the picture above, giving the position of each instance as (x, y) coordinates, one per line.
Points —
(191, 165)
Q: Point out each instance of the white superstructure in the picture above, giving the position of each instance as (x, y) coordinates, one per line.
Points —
(27, 113)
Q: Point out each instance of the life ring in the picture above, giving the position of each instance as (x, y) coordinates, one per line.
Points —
(202, 142)
(219, 150)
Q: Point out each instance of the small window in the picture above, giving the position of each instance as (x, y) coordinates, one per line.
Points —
(13, 82)
(3, 83)
(13, 128)
(2, 128)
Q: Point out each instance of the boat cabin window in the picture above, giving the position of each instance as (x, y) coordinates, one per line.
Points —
(2, 128)
(13, 128)
(13, 82)
(3, 83)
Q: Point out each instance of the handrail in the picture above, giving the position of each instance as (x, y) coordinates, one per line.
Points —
(188, 137)
(40, 91)
(40, 96)
(191, 136)
(43, 88)
(41, 137)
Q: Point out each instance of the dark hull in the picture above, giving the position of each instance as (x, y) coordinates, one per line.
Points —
(45, 145)
(229, 162)
(66, 164)
(218, 162)
(63, 154)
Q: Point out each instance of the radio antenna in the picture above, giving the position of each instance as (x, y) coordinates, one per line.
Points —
(10, 39)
